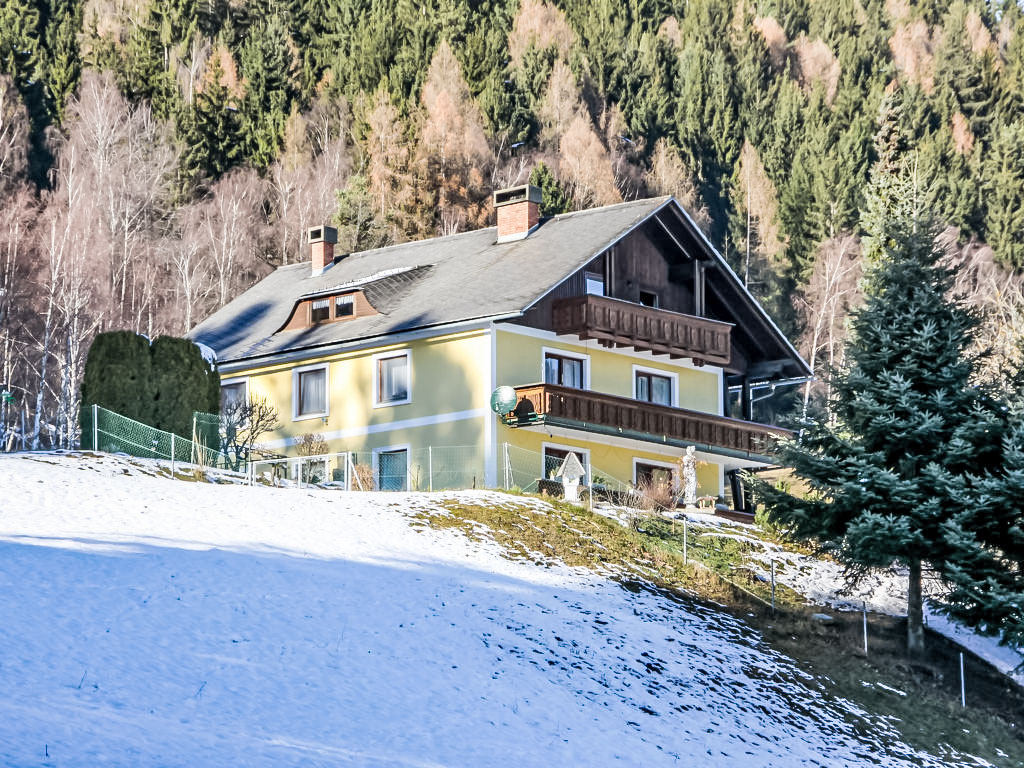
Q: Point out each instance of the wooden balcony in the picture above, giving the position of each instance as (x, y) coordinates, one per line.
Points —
(625, 417)
(623, 323)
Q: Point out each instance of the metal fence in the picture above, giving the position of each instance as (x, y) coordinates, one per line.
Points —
(105, 430)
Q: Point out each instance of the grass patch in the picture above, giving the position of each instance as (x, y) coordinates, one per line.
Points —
(928, 716)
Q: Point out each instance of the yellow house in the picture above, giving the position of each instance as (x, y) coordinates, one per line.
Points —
(621, 329)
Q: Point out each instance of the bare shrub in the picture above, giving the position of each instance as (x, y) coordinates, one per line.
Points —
(561, 104)
(774, 37)
(586, 166)
(815, 64)
(312, 444)
(669, 30)
(978, 34)
(670, 176)
(913, 51)
(364, 480)
(963, 137)
(541, 25)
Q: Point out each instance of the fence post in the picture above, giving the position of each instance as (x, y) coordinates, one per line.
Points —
(773, 587)
(686, 528)
(508, 467)
(430, 468)
(172, 455)
(963, 690)
(864, 608)
(95, 427)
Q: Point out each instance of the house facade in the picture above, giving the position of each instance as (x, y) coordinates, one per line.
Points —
(623, 332)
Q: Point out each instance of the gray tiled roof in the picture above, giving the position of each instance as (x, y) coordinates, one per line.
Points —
(420, 284)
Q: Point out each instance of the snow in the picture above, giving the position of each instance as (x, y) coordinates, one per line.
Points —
(160, 622)
(208, 353)
(822, 582)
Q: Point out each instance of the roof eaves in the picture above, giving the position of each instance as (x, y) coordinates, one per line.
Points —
(731, 274)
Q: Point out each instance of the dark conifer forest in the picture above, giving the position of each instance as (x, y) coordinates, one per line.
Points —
(157, 158)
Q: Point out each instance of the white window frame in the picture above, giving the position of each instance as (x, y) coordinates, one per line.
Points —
(375, 463)
(673, 467)
(375, 363)
(243, 380)
(558, 446)
(545, 351)
(674, 377)
(325, 367)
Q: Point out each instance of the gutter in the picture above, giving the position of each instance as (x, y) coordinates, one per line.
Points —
(367, 342)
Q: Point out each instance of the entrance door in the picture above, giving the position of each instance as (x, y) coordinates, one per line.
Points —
(392, 470)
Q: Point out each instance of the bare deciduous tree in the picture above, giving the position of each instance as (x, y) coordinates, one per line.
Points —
(824, 307)
(242, 423)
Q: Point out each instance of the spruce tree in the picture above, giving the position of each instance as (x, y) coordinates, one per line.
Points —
(904, 410)
(63, 65)
(265, 66)
(554, 199)
(211, 129)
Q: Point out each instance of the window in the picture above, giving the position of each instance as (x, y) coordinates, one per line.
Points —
(231, 394)
(311, 399)
(652, 388)
(562, 370)
(652, 474)
(649, 299)
(595, 283)
(393, 379)
(553, 458)
(392, 470)
(344, 306)
(319, 310)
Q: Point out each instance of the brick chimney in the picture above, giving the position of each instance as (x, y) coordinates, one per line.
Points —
(321, 246)
(518, 211)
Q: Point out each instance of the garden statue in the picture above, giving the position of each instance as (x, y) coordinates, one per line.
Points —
(571, 472)
(689, 465)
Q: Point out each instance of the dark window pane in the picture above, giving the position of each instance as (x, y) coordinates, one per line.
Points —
(320, 310)
(649, 298)
(344, 306)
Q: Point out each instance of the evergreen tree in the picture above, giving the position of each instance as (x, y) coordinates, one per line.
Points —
(118, 376)
(1004, 196)
(358, 226)
(903, 414)
(19, 42)
(211, 128)
(63, 65)
(183, 382)
(554, 199)
(265, 67)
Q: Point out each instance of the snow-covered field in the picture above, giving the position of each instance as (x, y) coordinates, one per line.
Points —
(145, 621)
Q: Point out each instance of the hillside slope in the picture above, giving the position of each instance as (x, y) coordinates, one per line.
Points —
(147, 621)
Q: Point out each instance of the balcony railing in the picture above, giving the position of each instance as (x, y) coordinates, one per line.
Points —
(623, 416)
(614, 321)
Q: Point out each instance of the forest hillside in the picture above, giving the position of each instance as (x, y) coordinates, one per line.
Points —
(159, 156)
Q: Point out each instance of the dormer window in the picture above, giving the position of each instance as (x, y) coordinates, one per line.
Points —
(319, 311)
(344, 306)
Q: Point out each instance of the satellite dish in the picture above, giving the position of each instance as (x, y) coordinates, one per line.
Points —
(503, 400)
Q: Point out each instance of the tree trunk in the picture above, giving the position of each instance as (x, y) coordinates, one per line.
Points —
(915, 611)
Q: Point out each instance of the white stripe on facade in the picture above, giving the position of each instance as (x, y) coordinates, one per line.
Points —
(373, 429)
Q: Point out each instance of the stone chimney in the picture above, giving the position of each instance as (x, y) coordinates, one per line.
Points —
(321, 246)
(518, 211)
